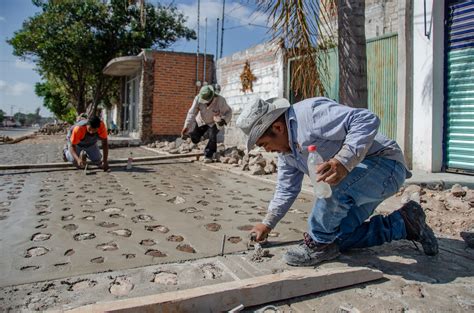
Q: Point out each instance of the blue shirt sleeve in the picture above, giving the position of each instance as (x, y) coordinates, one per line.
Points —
(287, 189)
(355, 127)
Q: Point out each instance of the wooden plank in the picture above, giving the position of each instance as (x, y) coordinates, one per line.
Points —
(115, 161)
(249, 292)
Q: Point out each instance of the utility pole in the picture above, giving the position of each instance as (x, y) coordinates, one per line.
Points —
(197, 51)
(217, 39)
(222, 29)
(205, 49)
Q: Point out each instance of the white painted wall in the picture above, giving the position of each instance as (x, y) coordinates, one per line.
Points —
(267, 64)
(428, 84)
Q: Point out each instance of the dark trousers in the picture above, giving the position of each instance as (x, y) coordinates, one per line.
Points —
(198, 132)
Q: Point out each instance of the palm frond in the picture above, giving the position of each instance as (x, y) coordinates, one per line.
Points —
(306, 29)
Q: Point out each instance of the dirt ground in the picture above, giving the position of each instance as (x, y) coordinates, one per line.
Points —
(69, 239)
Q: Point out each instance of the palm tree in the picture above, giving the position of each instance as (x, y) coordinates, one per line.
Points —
(306, 29)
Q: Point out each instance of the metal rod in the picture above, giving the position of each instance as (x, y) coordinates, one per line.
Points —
(223, 245)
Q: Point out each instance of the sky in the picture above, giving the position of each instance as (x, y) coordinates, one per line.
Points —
(243, 28)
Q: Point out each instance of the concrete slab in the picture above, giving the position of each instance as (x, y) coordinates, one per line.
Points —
(65, 224)
(447, 179)
(414, 281)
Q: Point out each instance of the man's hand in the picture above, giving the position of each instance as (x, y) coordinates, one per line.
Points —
(81, 163)
(261, 232)
(105, 166)
(184, 131)
(331, 172)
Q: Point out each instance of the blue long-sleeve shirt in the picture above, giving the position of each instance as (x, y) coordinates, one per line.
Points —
(341, 132)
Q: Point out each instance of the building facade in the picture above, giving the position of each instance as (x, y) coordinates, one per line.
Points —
(157, 89)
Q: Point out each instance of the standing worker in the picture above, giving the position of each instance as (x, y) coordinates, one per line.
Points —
(211, 113)
(362, 167)
(82, 143)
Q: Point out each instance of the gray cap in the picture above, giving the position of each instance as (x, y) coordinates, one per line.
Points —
(256, 118)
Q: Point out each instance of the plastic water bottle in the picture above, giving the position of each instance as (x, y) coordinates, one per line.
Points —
(129, 162)
(321, 189)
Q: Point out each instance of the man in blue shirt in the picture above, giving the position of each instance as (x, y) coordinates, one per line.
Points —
(363, 168)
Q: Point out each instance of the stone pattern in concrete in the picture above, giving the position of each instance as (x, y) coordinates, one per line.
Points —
(66, 223)
(415, 282)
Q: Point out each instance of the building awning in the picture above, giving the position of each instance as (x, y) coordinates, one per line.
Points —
(123, 66)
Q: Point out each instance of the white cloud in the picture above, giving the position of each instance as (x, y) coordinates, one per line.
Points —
(212, 9)
(24, 65)
(2, 19)
(14, 89)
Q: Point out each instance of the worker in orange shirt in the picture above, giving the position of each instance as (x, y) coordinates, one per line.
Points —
(82, 143)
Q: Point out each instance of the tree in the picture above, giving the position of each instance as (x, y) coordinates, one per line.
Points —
(56, 100)
(2, 116)
(20, 118)
(306, 30)
(71, 42)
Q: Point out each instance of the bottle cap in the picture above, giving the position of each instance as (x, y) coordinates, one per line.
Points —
(311, 148)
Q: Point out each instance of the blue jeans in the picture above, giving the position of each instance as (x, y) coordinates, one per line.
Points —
(93, 153)
(342, 217)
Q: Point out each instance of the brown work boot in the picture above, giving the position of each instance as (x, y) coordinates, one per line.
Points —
(417, 229)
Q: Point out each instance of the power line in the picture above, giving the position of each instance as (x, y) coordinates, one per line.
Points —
(248, 24)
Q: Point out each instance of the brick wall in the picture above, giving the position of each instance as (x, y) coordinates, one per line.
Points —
(175, 88)
(146, 95)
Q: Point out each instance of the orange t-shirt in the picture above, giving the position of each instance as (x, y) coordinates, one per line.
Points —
(79, 132)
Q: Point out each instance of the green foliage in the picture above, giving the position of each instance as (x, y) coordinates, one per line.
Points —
(20, 118)
(2, 116)
(71, 42)
(304, 28)
(56, 100)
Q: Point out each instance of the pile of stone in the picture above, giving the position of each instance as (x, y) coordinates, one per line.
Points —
(255, 162)
(179, 146)
(5, 138)
(52, 129)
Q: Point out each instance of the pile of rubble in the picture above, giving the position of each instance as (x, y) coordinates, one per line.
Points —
(443, 207)
(5, 138)
(256, 162)
(52, 129)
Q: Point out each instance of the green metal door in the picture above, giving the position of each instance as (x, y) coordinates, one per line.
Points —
(382, 76)
(382, 81)
(459, 123)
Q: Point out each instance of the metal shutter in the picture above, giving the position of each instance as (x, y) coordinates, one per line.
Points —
(459, 127)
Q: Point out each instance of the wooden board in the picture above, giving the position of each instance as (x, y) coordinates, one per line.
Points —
(115, 161)
(249, 292)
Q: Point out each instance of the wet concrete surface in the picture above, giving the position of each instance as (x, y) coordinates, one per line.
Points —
(69, 239)
(413, 282)
(60, 224)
